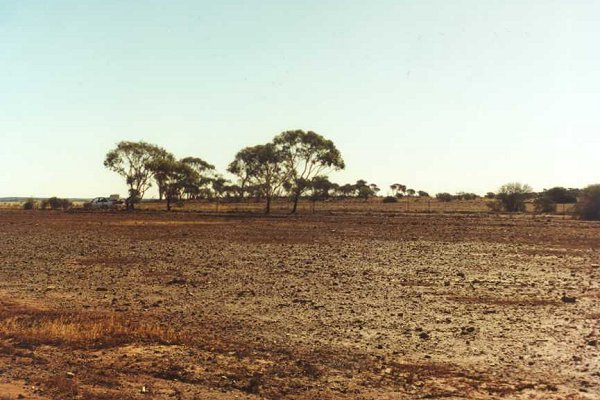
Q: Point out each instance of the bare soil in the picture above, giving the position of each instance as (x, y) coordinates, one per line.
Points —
(377, 305)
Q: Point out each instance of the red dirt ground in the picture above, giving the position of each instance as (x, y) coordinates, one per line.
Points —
(155, 305)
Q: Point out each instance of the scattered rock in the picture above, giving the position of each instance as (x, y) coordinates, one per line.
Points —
(465, 330)
(568, 299)
(177, 281)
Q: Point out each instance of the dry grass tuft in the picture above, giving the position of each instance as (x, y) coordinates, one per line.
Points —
(113, 395)
(111, 261)
(29, 327)
(504, 302)
(63, 387)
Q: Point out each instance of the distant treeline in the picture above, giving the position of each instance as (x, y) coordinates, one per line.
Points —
(294, 165)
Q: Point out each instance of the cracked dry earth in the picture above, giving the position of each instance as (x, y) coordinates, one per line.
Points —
(378, 306)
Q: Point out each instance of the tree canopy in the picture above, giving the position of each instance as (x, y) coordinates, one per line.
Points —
(173, 175)
(512, 196)
(260, 165)
(304, 156)
(131, 160)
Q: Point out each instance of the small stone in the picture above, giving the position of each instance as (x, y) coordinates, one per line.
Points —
(177, 281)
(465, 330)
(424, 336)
(568, 299)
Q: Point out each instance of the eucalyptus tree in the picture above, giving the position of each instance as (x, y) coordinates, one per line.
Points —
(174, 175)
(365, 190)
(131, 160)
(347, 190)
(398, 189)
(261, 166)
(220, 187)
(159, 175)
(239, 168)
(374, 188)
(202, 179)
(304, 156)
(321, 187)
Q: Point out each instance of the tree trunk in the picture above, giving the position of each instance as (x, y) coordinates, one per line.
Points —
(268, 208)
(295, 205)
(168, 198)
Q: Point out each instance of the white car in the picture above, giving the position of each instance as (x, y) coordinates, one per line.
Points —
(103, 203)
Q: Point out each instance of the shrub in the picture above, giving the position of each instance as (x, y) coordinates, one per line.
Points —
(465, 196)
(444, 197)
(494, 206)
(56, 203)
(490, 195)
(30, 204)
(512, 196)
(66, 204)
(588, 206)
(390, 199)
(423, 193)
(544, 204)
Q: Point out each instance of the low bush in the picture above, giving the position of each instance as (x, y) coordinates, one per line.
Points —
(544, 204)
(56, 203)
(465, 196)
(30, 204)
(390, 199)
(444, 197)
(494, 206)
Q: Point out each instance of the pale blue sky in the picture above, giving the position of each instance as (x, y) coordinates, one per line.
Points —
(439, 95)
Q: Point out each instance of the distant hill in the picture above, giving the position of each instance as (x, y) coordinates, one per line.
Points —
(23, 199)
